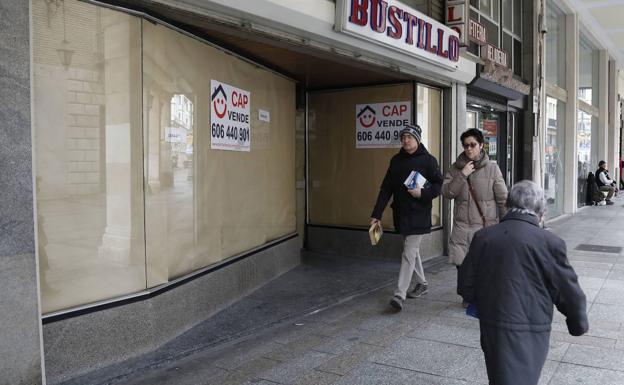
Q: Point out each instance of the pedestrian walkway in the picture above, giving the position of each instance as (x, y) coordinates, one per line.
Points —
(362, 341)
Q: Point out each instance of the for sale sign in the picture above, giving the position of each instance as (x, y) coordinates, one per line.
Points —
(229, 117)
(377, 125)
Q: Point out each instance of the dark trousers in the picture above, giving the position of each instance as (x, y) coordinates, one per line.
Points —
(513, 357)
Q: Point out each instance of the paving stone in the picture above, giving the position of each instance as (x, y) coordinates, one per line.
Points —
(610, 333)
(592, 272)
(296, 330)
(473, 369)
(316, 377)
(589, 282)
(255, 367)
(339, 345)
(469, 337)
(610, 295)
(350, 359)
(443, 293)
(296, 348)
(376, 374)
(454, 311)
(424, 356)
(596, 357)
(377, 322)
(567, 374)
(390, 335)
(557, 350)
(583, 340)
(464, 322)
(232, 357)
(617, 273)
(591, 265)
(230, 378)
(180, 374)
(292, 370)
(609, 313)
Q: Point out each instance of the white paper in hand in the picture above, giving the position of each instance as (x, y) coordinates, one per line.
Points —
(413, 179)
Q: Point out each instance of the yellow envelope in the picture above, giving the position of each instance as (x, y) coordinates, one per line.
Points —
(375, 232)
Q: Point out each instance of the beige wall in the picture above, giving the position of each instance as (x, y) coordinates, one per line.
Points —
(219, 203)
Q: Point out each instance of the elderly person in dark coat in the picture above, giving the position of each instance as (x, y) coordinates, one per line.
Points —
(514, 273)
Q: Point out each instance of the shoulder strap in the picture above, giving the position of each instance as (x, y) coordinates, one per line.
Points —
(474, 198)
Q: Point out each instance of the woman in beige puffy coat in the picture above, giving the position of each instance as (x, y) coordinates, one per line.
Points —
(473, 166)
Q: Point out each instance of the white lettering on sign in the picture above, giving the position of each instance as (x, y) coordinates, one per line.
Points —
(456, 17)
(397, 26)
(377, 125)
(477, 32)
(496, 55)
(229, 117)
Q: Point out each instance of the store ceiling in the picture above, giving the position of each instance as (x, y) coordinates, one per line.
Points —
(311, 67)
(605, 19)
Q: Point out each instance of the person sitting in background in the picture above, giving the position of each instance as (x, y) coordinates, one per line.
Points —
(604, 182)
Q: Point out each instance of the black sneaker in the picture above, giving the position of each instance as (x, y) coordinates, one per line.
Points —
(610, 203)
(418, 291)
(397, 302)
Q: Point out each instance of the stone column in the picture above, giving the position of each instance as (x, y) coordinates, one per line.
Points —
(152, 128)
(613, 149)
(572, 78)
(603, 107)
(20, 334)
(120, 86)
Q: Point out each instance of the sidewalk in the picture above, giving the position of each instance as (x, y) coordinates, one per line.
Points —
(362, 341)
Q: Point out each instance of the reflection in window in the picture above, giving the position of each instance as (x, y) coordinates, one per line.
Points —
(205, 205)
(587, 150)
(179, 135)
(87, 129)
(553, 173)
(588, 73)
(555, 46)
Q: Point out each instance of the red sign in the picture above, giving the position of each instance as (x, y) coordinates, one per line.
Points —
(457, 17)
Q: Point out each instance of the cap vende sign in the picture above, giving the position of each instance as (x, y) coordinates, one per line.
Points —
(377, 125)
(395, 25)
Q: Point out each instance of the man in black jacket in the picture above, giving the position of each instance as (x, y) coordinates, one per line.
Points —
(411, 208)
(514, 273)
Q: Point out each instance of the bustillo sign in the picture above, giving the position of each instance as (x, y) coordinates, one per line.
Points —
(397, 26)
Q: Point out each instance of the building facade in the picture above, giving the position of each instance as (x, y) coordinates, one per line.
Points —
(170, 157)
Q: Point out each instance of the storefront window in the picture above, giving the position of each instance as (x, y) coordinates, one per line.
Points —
(122, 122)
(555, 46)
(503, 21)
(588, 73)
(87, 140)
(336, 164)
(555, 140)
(206, 204)
(351, 140)
(587, 151)
(488, 124)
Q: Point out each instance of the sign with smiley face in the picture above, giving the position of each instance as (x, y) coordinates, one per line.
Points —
(377, 125)
(229, 117)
